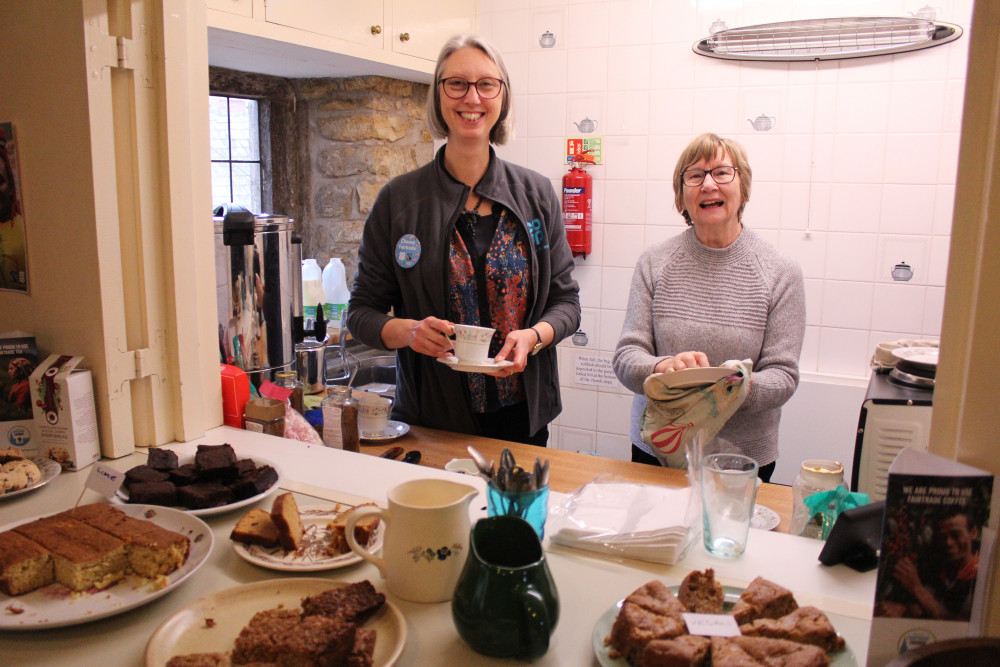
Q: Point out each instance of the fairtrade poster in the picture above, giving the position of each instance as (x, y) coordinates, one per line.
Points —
(13, 254)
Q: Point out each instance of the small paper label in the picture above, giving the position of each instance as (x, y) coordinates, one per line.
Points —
(105, 480)
(712, 625)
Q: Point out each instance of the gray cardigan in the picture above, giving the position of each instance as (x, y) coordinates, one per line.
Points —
(426, 203)
(746, 301)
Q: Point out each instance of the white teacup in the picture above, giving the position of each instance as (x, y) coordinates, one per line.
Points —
(472, 343)
(373, 413)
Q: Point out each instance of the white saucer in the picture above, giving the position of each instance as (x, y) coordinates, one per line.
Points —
(393, 430)
(488, 366)
(764, 518)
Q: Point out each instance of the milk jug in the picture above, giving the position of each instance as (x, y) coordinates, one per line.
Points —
(335, 293)
(312, 288)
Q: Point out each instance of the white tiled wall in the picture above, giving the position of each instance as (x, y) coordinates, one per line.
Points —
(856, 175)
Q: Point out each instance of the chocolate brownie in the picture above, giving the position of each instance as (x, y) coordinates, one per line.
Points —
(216, 462)
(183, 475)
(204, 494)
(143, 473)
(163, 460)
(254, 481)
(153, 493)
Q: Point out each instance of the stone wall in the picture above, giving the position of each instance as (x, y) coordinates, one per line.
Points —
(359, 133)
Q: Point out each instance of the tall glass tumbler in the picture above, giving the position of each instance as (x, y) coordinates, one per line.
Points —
(728, 489)
(532, 506)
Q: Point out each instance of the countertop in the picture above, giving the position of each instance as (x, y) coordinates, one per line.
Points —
(589, 585)
(568, 471)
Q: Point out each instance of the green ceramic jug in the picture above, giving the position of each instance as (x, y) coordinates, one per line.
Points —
(506, 604)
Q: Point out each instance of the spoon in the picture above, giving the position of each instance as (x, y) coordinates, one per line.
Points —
(485, 469)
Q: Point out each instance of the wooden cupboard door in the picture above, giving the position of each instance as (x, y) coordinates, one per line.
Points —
(359, 21)
(421, 27)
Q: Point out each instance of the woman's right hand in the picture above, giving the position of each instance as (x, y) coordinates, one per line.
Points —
(428, 336)
(679, 362)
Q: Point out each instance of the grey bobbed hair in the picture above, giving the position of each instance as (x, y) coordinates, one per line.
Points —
(503, 131)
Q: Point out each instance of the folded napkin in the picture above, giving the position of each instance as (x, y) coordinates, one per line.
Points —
(673, 416)
(640, 521)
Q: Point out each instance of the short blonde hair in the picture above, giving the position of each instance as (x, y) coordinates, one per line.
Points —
(503, 130)
(706, 147)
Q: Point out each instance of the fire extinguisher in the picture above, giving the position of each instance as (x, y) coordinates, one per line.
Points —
(578, 198)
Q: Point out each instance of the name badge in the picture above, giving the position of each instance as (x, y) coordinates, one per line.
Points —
(407, 251)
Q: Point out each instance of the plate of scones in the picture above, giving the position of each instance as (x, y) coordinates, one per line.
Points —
(214, 481)
(648, 627)
(294, 621)
(95, 561)
(302, 539)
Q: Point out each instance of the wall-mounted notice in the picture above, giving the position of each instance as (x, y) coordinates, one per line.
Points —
(592, 146)
(595, 371)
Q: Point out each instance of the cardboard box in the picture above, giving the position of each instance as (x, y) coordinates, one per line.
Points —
(18, 359)
(62, 398)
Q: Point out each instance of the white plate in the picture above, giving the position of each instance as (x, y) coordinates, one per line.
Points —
(489, 366)
(50, 470)
(602, 629)
(928, 356)
(696, 377)
(121, 496)
(186, 631)
(54, 606)
(764, 518)
(312, 556)
(392, 431)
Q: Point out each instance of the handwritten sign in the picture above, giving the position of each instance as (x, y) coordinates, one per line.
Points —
(712, 625)
(595, 371)
(104, 479)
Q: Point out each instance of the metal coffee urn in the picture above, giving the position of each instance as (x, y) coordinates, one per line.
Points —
(258, 284)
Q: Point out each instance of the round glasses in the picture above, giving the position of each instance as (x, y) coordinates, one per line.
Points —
(721, 175)
(456, 87)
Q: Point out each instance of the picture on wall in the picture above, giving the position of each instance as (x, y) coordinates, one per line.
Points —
(13, 253)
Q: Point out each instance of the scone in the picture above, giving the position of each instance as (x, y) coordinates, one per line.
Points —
(700, 593)
(763, 599)
(806, 625)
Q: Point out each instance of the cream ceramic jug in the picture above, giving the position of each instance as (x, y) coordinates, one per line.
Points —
(426, 538)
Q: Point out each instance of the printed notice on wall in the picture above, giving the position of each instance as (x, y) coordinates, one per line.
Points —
(595, 371)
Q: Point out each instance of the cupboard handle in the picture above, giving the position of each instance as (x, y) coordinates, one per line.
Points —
(404, 36)
(376, 30)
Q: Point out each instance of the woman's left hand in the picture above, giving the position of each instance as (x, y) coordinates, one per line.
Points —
(516, 347)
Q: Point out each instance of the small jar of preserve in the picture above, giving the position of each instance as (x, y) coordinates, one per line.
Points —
(340, 419)
(815, 476)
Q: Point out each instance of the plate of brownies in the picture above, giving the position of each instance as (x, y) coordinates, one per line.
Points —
(302, 621)
(302, 539)
(95, 561)
(213, 481)
(773, 629)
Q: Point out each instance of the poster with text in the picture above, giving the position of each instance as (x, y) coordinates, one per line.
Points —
(13, 251)
(936, 510)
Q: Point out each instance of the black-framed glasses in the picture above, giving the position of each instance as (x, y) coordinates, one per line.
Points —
(721, 175)
(456, 87)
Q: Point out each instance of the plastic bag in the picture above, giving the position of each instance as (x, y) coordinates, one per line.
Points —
(824, 507)
(297, 428)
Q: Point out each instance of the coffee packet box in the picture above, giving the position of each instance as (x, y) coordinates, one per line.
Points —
(62, 398)
(18, 359)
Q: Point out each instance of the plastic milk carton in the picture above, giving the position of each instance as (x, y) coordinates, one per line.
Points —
(62, 398)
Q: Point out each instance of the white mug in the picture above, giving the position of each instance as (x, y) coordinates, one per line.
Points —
(472, 343)
(373, 413)
(426, 538)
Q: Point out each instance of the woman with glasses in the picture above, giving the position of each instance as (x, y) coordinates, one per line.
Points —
(716, 292)
(469, 238)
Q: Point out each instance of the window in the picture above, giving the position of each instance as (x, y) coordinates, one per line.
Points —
(236, 155)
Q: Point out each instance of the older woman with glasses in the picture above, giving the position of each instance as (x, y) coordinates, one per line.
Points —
(469, 238)
(713, 293)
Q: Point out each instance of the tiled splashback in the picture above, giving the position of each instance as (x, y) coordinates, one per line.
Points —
(855, 175)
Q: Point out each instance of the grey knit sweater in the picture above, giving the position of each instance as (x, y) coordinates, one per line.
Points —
(746, 301)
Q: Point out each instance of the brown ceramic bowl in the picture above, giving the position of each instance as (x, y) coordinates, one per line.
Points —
(964, 652)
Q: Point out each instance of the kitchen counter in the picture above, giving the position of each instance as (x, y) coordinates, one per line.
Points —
(568, 471)
(589, 585)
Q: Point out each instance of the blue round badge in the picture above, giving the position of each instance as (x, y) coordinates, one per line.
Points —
(407, 251)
